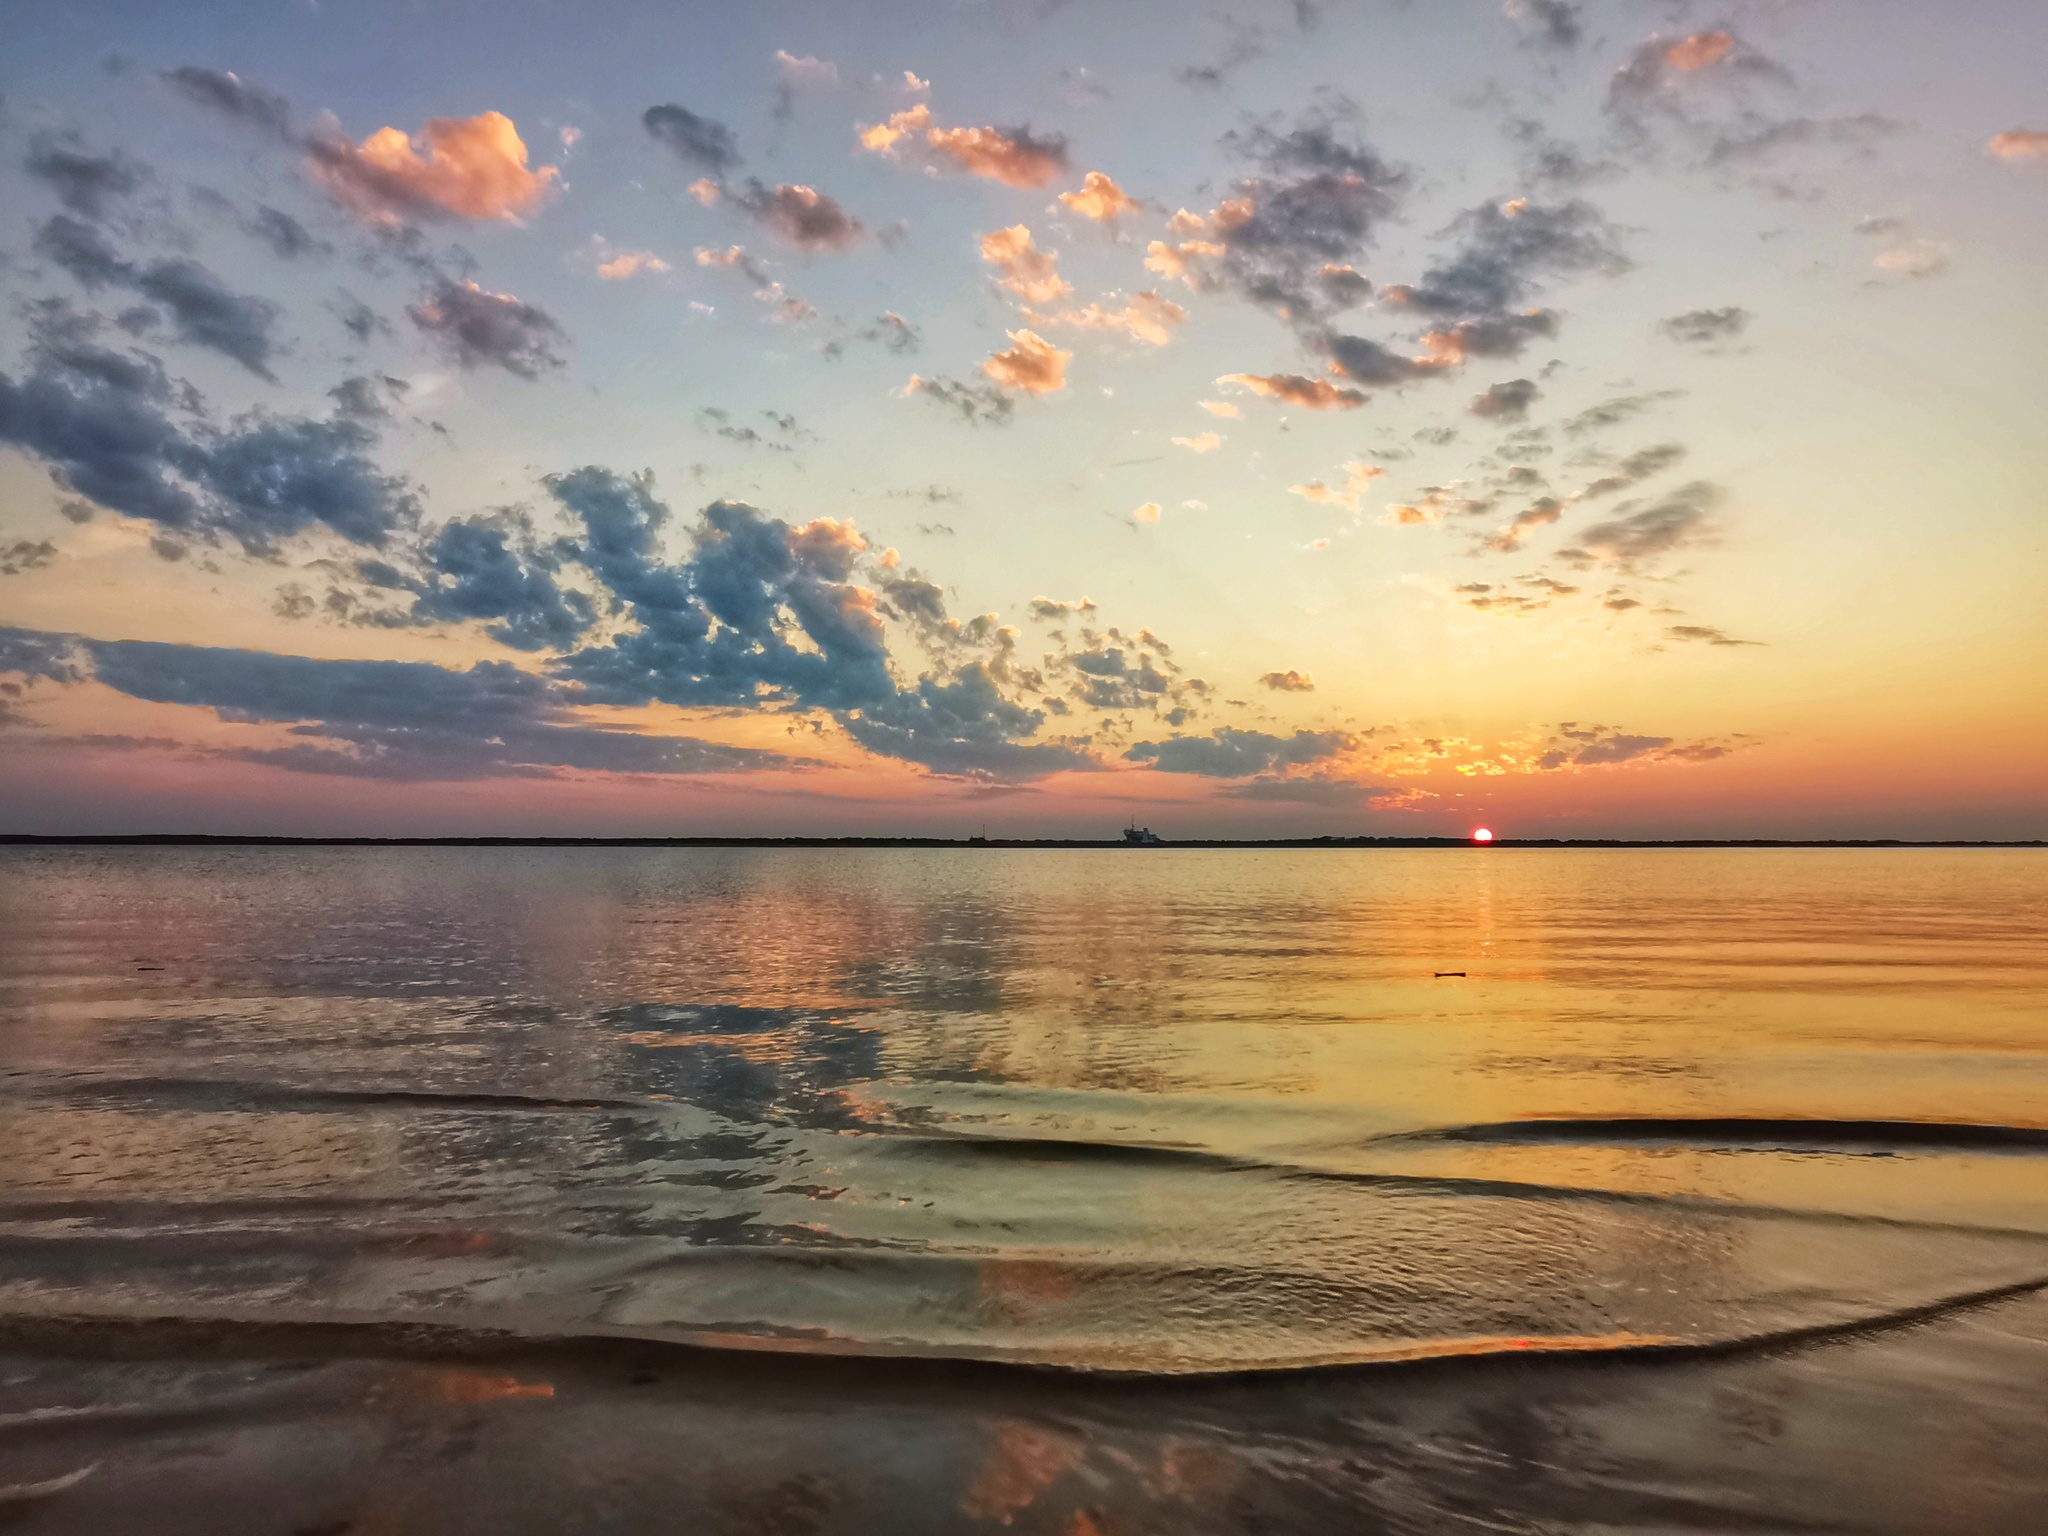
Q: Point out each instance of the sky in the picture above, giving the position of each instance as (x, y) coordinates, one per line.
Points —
(1274, 418)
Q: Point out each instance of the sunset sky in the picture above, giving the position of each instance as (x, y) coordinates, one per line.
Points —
(1279, 417)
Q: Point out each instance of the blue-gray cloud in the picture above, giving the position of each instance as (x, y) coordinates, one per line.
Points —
(86, 183)
(699, 142)
(377, 719)
(106, 424)
(1230, 753)
(206, 312)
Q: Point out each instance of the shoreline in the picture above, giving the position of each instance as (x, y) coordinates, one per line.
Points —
(236, 840)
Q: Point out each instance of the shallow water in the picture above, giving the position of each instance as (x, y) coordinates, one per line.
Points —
(835, 1153)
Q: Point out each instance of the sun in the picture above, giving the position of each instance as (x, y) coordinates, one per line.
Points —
(1482, 834)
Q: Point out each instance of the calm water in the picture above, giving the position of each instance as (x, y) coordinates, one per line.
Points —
(758, 1190)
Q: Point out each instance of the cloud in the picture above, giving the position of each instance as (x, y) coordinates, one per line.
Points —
(400, 720)
(762, 614)
(85, 183)
(1554, 23)
(978, 404)
(1229, 753)
(1505, 402)
(472, 168)
(493, 570)
(699, 142)
(1916, 258)
(1014, 156)
(1506, 249)
(101, 420)
(1143, 317)
(1310, 214)
(1573, 747)
(1030, 364)
(226, 93)
(1639, 539)
(206, 312)
(1681, 77)
(617, 266)
(1430, 508)
(22, 556)
(1056, 608)
(1538, 514)
(1222, 408)
(1289, 681)
(1294, 389)
(1706, 634)
(1611, 413)
(1358, 479)
(287, 238)
(480, 328)
(1206, 442)
(1701, 327)
(1026, 271)
(1100, 199)
(799, 216)
(2018, 144)
(1638, 466)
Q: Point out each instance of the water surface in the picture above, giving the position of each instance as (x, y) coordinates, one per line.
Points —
(1172, 1122)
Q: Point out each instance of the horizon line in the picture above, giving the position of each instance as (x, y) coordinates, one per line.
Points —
(270, 840)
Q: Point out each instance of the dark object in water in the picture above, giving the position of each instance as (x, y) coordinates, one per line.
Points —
(1442, 974)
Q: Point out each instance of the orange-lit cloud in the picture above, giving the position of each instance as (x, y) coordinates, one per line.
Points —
(1206, 442)
(1539, 514)
(1148, 513)
(624, 264)
(1699, 51)
(1026, 271)
(1294, 389)
(1289, 681)
(2019, 144)
(1014, 156)
(1099, 198)
(1358, 478)
(472, 168)
(1220, 408)
(1030, 364)
(1144, 317)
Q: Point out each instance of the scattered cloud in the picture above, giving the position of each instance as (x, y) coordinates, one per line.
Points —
(1706, 635)
(1916, 258)
(617, 266)
(1028, 272)
(87, 184)
(1100, 199)
(1358, 479)
(479, 328)
(1505, 402)
(1030, 364)
(1538, 514)
(1230, 753)
(1702, 327)
(1289, 681)
(977, 404)
(1295, 389)
(1223, 408)
(1145, 317)
(1638, 539)
(1146, 513)
(2019, 144)
(1014, 156)
(702, 143)
(1205, 442)
(1552, 23)
(205, 311)
(471, 168)
(797, 215)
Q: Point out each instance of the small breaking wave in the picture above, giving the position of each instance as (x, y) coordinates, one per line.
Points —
(1743, 1133)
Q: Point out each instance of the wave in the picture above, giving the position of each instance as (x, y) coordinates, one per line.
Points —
(1742, 1132)
(134, 1336)
(227, 1094)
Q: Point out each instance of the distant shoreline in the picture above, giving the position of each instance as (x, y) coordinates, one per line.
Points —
(207, 840)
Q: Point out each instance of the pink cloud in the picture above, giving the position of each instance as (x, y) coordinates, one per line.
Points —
(471, 168)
